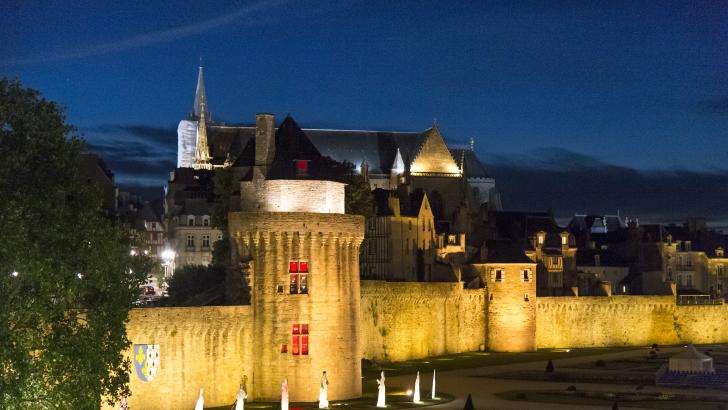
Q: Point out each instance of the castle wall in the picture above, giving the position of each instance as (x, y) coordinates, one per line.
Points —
(626, 321)
(208, 347)
(702, 324)
(413, 320)
(300, 195)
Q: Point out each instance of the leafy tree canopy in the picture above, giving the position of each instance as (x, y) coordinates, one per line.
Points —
(67, 277)
(196, 285)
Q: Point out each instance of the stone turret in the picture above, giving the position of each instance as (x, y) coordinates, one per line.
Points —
(510, 280)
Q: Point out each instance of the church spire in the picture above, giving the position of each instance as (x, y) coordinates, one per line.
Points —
(200, 99)
(202, 150)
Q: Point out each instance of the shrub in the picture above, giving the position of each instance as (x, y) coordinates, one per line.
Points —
(600, 363)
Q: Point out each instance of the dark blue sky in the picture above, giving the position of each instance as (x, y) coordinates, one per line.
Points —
(638, 85)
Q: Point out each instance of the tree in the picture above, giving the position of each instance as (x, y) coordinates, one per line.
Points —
(67, 277)
(194, 285)
(222, 185)
(359, 199)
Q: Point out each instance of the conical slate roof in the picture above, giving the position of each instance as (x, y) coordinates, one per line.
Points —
(199, 95)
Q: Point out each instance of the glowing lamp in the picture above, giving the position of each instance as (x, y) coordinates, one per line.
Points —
(168, 254)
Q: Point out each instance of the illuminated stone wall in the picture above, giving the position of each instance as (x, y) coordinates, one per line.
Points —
(329, 243)
(626, 321)
(280, 195)
(411, 320)
(208, 347)
(702, 324)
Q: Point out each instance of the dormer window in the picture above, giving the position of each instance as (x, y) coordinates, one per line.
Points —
(301, 167)
(190, 221)
(205, 221)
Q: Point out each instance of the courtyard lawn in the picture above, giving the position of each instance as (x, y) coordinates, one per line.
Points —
(479, 359)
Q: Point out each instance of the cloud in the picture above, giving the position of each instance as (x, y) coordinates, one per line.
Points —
(569, 183)
(714, 105)
(161, 36)
(139, 155)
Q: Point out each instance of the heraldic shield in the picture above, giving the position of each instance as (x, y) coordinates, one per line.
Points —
(146, 361)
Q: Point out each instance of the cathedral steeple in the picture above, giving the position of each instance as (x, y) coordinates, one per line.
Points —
(202, 150)
(200, 98)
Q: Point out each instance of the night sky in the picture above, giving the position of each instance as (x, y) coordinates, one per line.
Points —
(573, 106)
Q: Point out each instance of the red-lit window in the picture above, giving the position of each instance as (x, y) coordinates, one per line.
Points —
(299, 277)
(301, 167)
(294, 283)
(304, 344)
(299, 339)
(284, 348)
(296, 339)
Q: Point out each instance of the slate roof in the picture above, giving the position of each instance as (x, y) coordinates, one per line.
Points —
(502, 251)
(408, 205)
(292, 144)
(473, 167)
(412, 206)
(377, 148)
(585, 257)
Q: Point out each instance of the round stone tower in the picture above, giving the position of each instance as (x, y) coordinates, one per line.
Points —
(300, 254)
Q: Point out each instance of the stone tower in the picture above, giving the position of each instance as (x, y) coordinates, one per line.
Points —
(510, 280)
(300, 253)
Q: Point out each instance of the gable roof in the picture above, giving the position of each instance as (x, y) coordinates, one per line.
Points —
(433, 156)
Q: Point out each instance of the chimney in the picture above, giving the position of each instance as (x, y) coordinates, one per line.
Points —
(394, 206)
(265, 144)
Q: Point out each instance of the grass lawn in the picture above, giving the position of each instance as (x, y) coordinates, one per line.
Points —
(478, 359)
(605, 400)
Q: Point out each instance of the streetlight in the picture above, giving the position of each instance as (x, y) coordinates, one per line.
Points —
(168, 256)
(14, 274)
